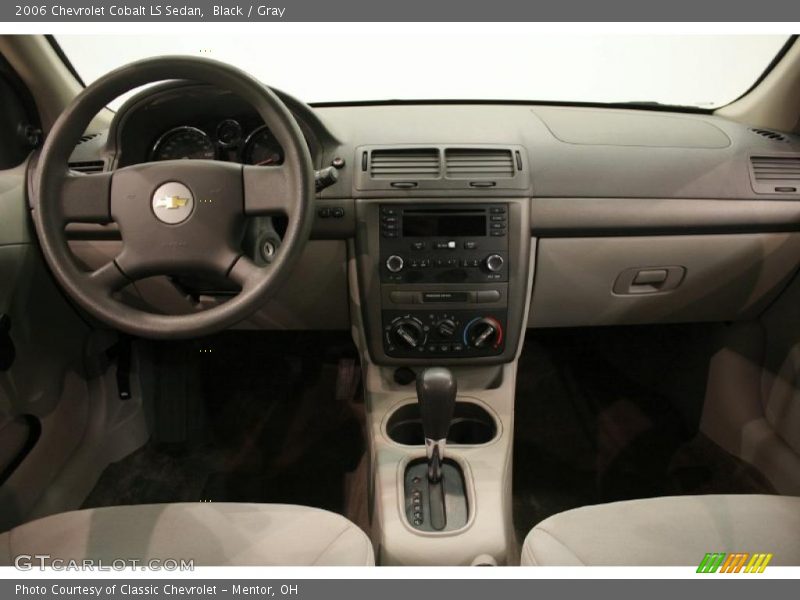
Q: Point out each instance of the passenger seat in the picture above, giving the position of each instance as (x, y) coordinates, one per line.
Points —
(669, 531)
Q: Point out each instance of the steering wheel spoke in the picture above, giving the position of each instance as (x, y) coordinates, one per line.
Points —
(86, 198)
(268, 190)
(109, 278)
(245, 272)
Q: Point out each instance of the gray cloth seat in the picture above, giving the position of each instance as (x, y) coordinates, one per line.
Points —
(211, 534)
(673, 531)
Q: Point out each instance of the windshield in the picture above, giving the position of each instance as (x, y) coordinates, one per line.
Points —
(704, 71)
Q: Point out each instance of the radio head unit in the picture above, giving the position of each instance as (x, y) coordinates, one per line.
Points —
(444, 243)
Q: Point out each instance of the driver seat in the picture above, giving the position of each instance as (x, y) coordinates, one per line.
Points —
(210, 534)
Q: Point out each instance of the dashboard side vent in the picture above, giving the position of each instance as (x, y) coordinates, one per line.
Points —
(87, 137)
(478, 163)
(88, 166)
(405, 163)
(775, 174)
(770, 135)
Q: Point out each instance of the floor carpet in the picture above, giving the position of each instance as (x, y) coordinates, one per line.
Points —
(601, 415)
(612, 414)
(246, 417)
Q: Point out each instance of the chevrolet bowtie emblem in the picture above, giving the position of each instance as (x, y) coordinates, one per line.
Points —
(171, 202)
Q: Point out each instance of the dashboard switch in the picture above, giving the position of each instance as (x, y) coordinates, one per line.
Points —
(403, 297)
(446, 328)
(488, 296)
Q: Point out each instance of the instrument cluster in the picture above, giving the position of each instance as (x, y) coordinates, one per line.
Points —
(228, 139)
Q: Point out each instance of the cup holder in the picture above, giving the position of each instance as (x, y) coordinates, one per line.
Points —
(471, 425)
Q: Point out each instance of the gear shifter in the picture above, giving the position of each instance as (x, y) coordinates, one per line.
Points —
(436, 394)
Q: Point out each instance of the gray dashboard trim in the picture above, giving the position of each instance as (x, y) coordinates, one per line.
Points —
(558, 217)
(14, 223)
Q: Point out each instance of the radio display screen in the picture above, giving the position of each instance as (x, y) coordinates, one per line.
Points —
(443, 225)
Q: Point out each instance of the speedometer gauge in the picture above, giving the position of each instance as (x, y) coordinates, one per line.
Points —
(184, 142)
(261, 148)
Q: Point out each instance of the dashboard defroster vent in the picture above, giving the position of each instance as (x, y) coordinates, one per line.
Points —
(775, 174)
(405, 163)
(478, 163)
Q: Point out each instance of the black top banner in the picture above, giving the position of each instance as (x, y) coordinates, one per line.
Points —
(407, 10)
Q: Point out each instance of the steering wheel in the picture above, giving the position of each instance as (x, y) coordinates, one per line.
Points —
(177, 216)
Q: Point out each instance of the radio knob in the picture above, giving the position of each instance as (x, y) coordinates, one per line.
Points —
(394, 263)
(494, 262)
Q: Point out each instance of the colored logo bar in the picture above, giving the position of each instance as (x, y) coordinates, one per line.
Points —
(736, 562)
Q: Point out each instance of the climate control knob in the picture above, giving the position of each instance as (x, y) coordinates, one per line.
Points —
(494, 262)
(484, 333)
(408, 332)
(446, 328)
(394, 263)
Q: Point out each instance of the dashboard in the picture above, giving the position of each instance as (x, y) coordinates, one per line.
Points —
(468, 222)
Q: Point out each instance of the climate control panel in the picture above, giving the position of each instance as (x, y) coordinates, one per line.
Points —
(443, 333)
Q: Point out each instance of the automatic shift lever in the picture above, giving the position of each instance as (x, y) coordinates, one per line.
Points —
(436, 394)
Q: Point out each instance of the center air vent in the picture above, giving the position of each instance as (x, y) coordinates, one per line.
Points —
(477, 163)
(488, 168)
(775, 174)
(411, 163)
(87, 166)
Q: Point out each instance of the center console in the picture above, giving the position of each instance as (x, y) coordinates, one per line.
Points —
(440, 275)
(443, 281)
